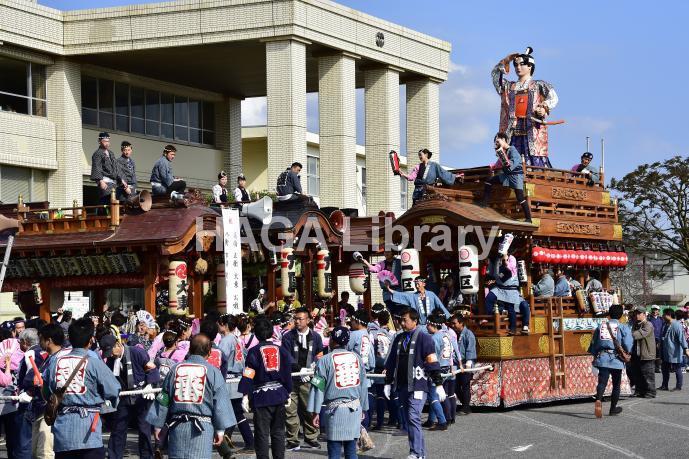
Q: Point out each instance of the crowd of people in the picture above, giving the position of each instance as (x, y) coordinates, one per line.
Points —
(195, 380)
(642, 344)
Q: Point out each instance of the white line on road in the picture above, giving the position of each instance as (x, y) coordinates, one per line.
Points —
(648, 418)
(610, 446)
(521, 449)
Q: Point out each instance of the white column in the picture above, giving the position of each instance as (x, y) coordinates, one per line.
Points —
(286, 105)
(64, 109)
(228, 119)
(382, 101)
(337, 130)
(423, 123)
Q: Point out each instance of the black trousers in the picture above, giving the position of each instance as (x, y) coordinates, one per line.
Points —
(119, 422)
(463, 390)
(604, 374)
(269, 424)
(91, 453)
(644, 376)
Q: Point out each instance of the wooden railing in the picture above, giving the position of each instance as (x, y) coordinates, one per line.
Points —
(68, 219)
(569, 306)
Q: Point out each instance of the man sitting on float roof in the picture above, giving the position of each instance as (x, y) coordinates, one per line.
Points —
(426, 173)
(584, 168)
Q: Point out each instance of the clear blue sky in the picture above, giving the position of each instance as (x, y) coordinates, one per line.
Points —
(619, 68)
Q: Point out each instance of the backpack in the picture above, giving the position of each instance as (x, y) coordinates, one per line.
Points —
(164, 364)
(282, 183)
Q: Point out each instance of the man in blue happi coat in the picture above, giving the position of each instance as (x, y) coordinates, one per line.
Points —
(423, 301)
(77, 428)
(410, 365)
(194, 405)
(266, 384)
(339, 385)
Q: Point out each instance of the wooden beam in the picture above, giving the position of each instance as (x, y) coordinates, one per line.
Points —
(270, 280)
(197, 295)
(99, 299)
(150, 274)
(44, 309)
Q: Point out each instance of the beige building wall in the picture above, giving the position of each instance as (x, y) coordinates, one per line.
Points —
(255, 159)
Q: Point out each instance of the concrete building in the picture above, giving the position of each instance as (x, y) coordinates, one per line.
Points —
(176, 73)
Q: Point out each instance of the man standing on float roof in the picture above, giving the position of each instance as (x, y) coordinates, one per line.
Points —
(523, 104)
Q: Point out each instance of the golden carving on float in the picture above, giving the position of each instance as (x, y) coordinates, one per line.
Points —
(577, 228)
(495, 346)
(539, 325)
(585, 341)
(433, 219)
(570, 193)
(530, 189)
(544, 344)
(617, 231)
(605, 198)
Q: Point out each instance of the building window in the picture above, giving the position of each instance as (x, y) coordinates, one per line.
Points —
(313, 175)
(22, 87)
(31, 184)
(118, 106)
(403, 193)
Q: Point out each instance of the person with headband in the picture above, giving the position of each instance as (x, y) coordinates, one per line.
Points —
(127, 168)
(422, 301)
(163, 182)
(511, 175)
(105, 170)
(339, 385)
(584, 168)
(219, 189)
(524, 106)
(427, 173)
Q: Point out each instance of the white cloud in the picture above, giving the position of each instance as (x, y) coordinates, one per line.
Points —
(254, 111)
(458, 68)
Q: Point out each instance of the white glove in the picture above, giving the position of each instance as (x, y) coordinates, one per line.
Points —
(305, 379)
(289, 402)
(245, 403)
(150, 395)
(25, 398)
(441, 393)
(387, 390)
(469, 364)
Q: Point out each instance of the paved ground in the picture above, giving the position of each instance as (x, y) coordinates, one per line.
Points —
(648, 428)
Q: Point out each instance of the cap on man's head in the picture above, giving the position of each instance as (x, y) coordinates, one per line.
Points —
(107, 343)
(655, 306)
(640, 309)
(125, 144)
(103, 136)
(587, 155)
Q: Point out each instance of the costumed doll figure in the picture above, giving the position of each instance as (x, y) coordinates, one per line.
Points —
(524, 106)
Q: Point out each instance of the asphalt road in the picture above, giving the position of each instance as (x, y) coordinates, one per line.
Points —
(647, 428)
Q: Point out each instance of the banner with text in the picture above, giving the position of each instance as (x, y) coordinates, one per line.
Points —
(233, 260)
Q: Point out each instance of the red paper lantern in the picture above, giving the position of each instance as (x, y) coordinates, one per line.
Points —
(536, 254)
(555, 256)
(566, 257)
(590, 258)
(625, 259)
(607, 259)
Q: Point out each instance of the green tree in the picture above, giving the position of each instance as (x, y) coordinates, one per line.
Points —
(653, 206)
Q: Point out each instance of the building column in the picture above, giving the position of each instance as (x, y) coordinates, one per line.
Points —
(423, 122)
(382, 99)
(286, 106)
(228, 118)
(337, 126)
(65, 185)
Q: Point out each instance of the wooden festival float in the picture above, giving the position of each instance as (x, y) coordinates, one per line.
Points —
(150, 245)
(575, 226)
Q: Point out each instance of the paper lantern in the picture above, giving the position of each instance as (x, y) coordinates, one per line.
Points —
(565, 258)
(468, 269)
(358, 278)
(625, 259)
(409, 259)
(177, 288)
(536, 254)
(556, 256)
(325, 279)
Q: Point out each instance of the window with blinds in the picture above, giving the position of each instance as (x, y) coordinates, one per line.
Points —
(15, 181)
(31, 184)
